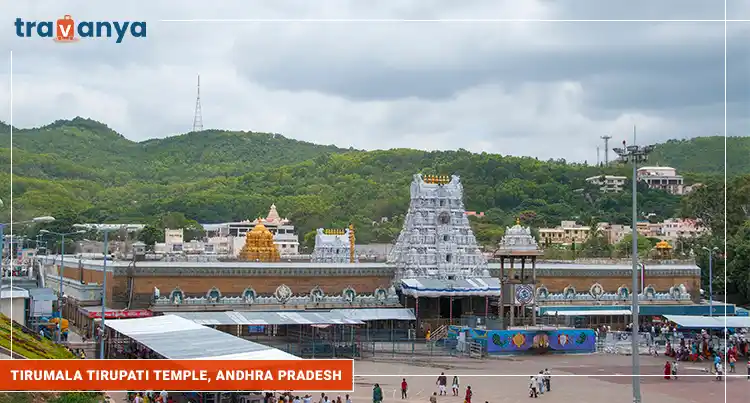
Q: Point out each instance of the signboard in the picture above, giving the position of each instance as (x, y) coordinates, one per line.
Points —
(124, 314)
(256, 329)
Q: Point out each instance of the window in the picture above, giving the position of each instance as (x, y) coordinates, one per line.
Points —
(444, 218)
(445, 238)
(448, 258)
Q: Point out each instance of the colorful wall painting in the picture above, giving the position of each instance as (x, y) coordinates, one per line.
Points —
(531, 341)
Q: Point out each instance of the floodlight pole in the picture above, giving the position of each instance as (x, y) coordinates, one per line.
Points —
(635, 154)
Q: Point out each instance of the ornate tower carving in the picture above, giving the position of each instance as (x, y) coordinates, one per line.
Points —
(437, 241)
(333, 246)
(259, 246)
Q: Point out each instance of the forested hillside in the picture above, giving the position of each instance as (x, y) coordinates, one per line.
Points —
(81, 166)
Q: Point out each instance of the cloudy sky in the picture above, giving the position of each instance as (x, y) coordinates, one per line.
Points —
(547, 89)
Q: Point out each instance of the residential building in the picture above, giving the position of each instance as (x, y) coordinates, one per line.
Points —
(675, 228)
(664, 178)
(608, 183)
(567, 233)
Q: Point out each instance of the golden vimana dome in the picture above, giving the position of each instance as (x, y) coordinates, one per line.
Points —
(259, 245)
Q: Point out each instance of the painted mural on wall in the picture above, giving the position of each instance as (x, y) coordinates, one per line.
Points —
(532, 341)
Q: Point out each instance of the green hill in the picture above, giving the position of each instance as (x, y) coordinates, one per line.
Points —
(705, 155)
(83, 169)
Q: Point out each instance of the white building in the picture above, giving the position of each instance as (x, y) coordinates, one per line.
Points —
(608, 183)
(333, 246)
(14, 299)
(567, 233)
(174, 240)
(675, 228)
(664, 178)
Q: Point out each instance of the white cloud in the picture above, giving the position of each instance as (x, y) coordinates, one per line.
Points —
(543, 89)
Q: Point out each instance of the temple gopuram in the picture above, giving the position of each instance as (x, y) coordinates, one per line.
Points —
(438, 265)
(334, 246)
(259, 246)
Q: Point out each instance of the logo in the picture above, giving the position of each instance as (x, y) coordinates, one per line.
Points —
(66, 30)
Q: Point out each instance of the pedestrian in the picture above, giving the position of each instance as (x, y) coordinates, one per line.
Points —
(547, 380)
(441, 382)
(532, 387)
(748, 370)
(433, 398)
(404, 387)
(540, 381)
(732, 362)
(469, 394)
(668, 370)
(348, 399)
(674, 369)
(455, 386)
(377, 394)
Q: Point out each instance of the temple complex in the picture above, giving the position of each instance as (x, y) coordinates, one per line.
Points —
(436, 256)
(519, 286)
(259, 246)
(334, 246)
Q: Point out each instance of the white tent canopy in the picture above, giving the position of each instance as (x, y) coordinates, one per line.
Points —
(603, 312)
(709, 322)
(176, 338)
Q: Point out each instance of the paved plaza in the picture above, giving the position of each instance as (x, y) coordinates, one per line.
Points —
(589, 385)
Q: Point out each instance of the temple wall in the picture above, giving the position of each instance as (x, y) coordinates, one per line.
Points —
(611, 284)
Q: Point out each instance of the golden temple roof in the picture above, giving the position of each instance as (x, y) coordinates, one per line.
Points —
(663, 245)
(259, 246)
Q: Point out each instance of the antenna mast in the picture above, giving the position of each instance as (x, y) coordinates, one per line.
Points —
(198, 119)
(606, 148)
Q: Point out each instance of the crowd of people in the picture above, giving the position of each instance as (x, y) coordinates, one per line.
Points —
(150, 397)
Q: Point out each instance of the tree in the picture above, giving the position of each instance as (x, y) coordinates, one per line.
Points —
(625, 246)
(151, 235)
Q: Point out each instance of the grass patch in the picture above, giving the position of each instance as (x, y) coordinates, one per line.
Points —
(29, 344)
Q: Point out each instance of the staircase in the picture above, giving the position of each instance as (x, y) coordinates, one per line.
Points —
(439, 334)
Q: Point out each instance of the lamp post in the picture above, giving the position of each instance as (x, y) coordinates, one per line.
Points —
(635, 154)
(710, 278)
(105, 231)
(62, 235)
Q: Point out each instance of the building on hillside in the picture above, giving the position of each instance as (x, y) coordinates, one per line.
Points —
(436, 256)
(259, 245)
(283, 231)
(174, 240)
(334, 246)
(664, 178)
(673, 229)
(608, 183)
(567, 233)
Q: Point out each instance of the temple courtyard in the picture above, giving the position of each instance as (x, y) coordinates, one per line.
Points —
(583, 378)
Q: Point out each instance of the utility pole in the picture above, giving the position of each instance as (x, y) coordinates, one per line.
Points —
(598, 160)
(606, 148)
(634, 154)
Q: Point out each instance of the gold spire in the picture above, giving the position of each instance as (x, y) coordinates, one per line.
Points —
(518, 220)
(259, 245)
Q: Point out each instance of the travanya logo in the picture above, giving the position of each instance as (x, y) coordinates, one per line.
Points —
(66, 30)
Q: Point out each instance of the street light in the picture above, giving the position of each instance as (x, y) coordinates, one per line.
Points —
(105, 231)
(710, 278)
(62, 271)
(635, 154)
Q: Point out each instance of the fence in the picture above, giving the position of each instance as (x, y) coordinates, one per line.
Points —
(621, 343)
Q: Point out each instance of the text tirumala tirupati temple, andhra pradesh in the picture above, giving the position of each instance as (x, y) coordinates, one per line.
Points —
(435, 274)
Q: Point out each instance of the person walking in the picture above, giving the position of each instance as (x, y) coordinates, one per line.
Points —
(540, 381)
(547, 379)
(441, 382)
(454, 387)
(532, 387)
(433, 398)
(469, 394)
(377, 394)
(404, 388)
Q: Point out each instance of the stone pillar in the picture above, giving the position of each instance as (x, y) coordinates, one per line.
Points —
(450, 311)
(533, 288)
(500, 305)
(486, 308)
(512, 300)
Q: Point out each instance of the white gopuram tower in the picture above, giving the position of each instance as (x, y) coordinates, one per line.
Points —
(436, 254)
